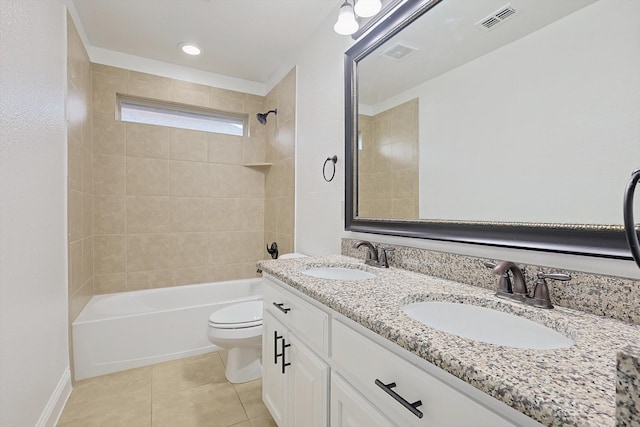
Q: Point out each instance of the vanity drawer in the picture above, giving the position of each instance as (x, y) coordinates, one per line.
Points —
(370, 367)
(308, 322)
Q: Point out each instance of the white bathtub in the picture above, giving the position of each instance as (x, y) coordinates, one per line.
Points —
(127, 330)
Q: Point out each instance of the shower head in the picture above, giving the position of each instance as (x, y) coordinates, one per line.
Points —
(262, 117)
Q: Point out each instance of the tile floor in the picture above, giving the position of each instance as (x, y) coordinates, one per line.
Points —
(190, 392)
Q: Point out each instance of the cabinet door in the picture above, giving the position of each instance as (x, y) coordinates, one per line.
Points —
(350, 409)
(274, 383)
(308, 385)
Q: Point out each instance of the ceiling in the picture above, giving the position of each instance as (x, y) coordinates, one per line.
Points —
(447, 37)
(246, 39)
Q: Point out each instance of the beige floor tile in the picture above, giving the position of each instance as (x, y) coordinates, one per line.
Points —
(210, 405)
(243, 424)
(104, 394)
(136, 415)
(263, 421)
(177, 375)
(251, 397)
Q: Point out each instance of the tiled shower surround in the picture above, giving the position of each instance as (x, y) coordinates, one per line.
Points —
(175, 206)
(388, 163)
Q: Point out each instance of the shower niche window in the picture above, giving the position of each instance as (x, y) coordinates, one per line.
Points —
(139, 110)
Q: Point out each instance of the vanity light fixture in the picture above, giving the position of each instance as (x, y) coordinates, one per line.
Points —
(190, 48)
(346, 24)
(367, 8)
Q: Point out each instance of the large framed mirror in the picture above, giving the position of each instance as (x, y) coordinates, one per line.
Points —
(512, 123)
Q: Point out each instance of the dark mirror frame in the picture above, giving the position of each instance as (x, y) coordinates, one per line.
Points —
(606, 241)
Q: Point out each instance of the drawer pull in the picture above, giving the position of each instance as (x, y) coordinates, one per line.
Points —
(280, 307)
(412, 407)
(276, 337)
(284, 362)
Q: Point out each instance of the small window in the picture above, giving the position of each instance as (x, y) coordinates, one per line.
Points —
(180, 116)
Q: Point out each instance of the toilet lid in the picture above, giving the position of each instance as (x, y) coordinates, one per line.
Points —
(242, 315)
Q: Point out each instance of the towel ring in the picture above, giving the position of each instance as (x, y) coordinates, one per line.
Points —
(333, 159)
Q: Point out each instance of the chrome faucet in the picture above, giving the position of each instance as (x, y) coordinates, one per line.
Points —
(373, 258)
(507, 288)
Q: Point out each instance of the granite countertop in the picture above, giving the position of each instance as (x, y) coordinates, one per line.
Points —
(570, 386)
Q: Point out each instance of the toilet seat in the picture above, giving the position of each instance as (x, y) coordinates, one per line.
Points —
(237, 316)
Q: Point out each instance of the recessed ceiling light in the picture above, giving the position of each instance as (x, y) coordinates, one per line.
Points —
(190, 48)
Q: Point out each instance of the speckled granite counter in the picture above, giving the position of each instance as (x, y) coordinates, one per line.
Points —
(572, 386)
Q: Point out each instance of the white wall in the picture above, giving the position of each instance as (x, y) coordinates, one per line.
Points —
(502, 135)
(320, 133)
(34, 361)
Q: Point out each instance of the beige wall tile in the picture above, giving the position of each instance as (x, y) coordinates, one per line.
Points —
(111, 283)
(105, 87)
(225, 148)
(189, 214)
(188, 144)
(139, 280)
(75, 215)
(109, 252)
(190, 93)
(87, 259)
(253, 150)
(148, 86)
(188, 179)
(189, 276)
(225, 214)
(227, 100)
(108, 135)
(253, 214)
(74, 168)
(79, 300)
(147, 177)
(189, 250)
(224, 248)
(87, 171)
(147, 251)
(75, 266)
(225, 180)
(270, 214)
(285, 213)
(109, 214)
(87, 215)
(253, 182)
(109, 174)
(144, 140)
(147, 214)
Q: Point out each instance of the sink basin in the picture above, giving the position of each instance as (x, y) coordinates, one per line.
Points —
(338, 273)
(486, 325)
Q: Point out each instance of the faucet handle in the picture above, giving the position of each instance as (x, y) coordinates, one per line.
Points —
(384, 262)
(541, 297)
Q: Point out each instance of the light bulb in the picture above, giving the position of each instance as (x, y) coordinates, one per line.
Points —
(190, 48)
(367, 8)
(346, 24)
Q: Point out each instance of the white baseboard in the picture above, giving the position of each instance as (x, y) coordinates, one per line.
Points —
(53, 410)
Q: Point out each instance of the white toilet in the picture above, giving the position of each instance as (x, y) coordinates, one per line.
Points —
(238, 328)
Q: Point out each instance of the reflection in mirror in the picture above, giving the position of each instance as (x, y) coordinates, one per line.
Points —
(480, 112)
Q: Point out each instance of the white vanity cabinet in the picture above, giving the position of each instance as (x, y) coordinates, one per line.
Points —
(295, 379)
(374, 383)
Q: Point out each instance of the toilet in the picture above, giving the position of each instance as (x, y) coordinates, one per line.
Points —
(238, 328)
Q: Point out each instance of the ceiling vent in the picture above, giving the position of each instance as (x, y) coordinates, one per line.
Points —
(399, 51)
(497, 17)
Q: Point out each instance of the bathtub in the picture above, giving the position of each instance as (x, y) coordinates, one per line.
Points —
(127, 330)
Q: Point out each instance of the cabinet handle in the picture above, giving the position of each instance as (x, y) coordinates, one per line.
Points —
(276, 337)
(284, 347)
(280, 307)
(412, 407)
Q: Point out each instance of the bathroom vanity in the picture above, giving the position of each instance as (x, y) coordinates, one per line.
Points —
(342, 352)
